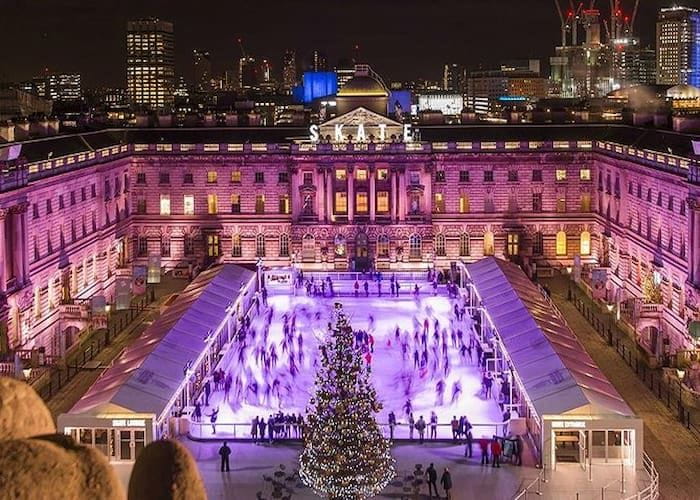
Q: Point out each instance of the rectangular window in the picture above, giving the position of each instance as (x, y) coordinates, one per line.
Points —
(463, 203)
(259, 177)
(83, 194)
(361, 205)
(142, 246)
(141, 178)
(283, 177)
(212, 176)
(341, 175)
(439, 203)
(35, 211)
(212, 204)
(260, 204)
(164, 204)
(584, 174)
(164, 246)
(561, 205)
(236, 249)
(585, 202)
(341, 202)
(189, 245)
(284, 204)
(235, 203)
(188, 179)
(213, 248)
(164, 178)
(488, 175)
(464, 176)
(188, 204)
(537, 175)
(382, 174)
(141, 206)
(236, 176)
(49, 208)
(560, 174)
(72, 198)
(439, 176)
(361, 174)
(414, 178)
(512, 176)
(383, 202)
(536, 202)
(60, 202)
(308, 178)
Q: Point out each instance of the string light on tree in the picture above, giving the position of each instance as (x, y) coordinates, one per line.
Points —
(345, 456)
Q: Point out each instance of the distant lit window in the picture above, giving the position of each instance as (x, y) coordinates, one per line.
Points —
(341, 174)
(585, 247)
(489, 247)
(188, 204)
(463, 203)
(383, 202)
(361, 174)
(236, 176)
(212, 204)
(236, 250)
(284, 204)
(585, 202)
(341, 202)
(560, 174)
(382, 174)
(361, 205)
(439, 203)
(561, 205)
(211, 177)
(260, 204)
(383, 246)
(513, 246)
(561, 243)
(585, 174)
(164, 204)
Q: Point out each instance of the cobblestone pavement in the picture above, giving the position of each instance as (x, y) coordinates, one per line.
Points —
(674, 450)
(64, 399)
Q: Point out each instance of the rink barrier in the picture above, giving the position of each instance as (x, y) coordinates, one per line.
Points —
(355, 276)
(202, 431)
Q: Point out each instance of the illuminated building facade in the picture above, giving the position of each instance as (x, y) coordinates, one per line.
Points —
(150, 63)
(202, 70)
(678, 46)
(289, 71)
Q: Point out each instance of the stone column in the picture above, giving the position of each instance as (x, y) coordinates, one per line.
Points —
(694, 241)
(394, 196)
(402, 196)
(372, 194)
(320, 200)
(329, 195)
(427, 194)
(19, 242)
(295, 194)
(3, 259)
(351, 195)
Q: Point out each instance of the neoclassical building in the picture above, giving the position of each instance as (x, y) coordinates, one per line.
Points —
(360, 190)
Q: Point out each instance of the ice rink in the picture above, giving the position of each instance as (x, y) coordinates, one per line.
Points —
(261, 391)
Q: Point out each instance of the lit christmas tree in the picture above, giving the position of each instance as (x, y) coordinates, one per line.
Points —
(345, 456)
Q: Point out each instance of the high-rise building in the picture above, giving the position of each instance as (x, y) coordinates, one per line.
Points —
(150, 63)
(626, 62)
(289, 70)
(678, 46)
(202, 70)
(64, 87)
(247, 73)
(454, 78)
(319, 61)
(647, 66)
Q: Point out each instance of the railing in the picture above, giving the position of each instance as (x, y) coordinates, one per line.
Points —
(651, 492)
(352, 276)
(537, 482)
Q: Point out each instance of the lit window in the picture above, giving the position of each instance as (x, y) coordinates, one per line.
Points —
(188, 208)
(361, 174)
(164, 204)
(415, 246)
(585, 174)
(260, 204)
(440, 245)
(513, 244)
(236, 176)
(284, 204)
(341, 175)
(236, 250)
(560, 174)
(260, 245)
(212, 204)
(383, 202)
(361, 204)
(463, 203)
(585, 202)
(341, 202)
(284, 245)
(439, 203)
(383, 246)
(489, 246)
(464, 245)
(211, 177)
(585, 243)
(382, 174)
(561, 243)
(561, 205)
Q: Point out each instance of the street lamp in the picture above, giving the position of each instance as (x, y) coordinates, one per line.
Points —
(681, 376)
(610, 308)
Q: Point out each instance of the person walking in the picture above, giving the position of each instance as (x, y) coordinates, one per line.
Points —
(432, 480)
(420, 427)
(224, 453)
(212, 418)
(446, 482)
(496, 452)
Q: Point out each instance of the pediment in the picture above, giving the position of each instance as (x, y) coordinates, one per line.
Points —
(359, 116)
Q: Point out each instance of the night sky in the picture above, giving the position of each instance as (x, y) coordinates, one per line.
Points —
(401, 39)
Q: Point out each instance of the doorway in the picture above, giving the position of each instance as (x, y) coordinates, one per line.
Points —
(129, 443)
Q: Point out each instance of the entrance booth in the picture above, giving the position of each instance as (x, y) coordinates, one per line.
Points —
(555, 392)
(150, 389)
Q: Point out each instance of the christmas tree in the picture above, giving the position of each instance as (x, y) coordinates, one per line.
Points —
(345, 455)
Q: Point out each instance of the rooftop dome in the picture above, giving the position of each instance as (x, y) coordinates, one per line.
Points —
(363, 85)
(683, 92)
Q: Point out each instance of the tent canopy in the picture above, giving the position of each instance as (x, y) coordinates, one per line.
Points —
(149, 372)
(558, 374)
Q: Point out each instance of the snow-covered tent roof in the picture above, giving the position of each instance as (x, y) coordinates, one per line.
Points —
(149, 372)
(558, 374)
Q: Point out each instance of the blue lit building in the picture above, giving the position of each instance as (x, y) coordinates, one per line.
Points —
(316, 84)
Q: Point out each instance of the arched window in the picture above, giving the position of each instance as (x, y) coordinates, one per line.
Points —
(585, 247)
(284, 245)
(415, 246)
(464, 245)
(236, 250)
(561, 243)
(538, 244)
(308, 248)
(488, 243)
(260, 245)
(440, 245)
(383, 246)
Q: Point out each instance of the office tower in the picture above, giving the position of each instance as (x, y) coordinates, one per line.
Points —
(289, 70)
(247, 73)
(647, 66)
(453, 77)
(202, 70)
(678, 46)
(150, 63)
(319, 62)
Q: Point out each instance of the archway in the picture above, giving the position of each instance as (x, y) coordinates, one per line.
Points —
(363, 261)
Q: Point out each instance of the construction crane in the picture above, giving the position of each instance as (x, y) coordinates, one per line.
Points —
(240, 45)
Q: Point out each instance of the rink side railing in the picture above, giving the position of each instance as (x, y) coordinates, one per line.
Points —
(352, 276)
(242, 431)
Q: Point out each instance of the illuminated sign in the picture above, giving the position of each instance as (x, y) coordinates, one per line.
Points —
(129, 423)
(359, 133)
(568, 424)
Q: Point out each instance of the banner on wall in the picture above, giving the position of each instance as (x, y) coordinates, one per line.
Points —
(122, 293)
(154, 269)
(139, 280)
(278, 278)
(599, 280)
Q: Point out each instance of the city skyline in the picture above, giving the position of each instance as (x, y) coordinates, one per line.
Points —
(65, 36)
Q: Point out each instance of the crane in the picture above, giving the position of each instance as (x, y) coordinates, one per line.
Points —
(240, 45)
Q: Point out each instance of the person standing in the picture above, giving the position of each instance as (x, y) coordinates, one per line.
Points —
(224, 453)
(446, 481)
(484, 445)
(212, 418)
(207, 391)
(197, 414)
(433, 425)
(420, 427)
(470, 440)
(496, 452)
(254, 430)
(261, 428)
(455, 427)
(392, 424)
(411, 425)
(432, 480)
